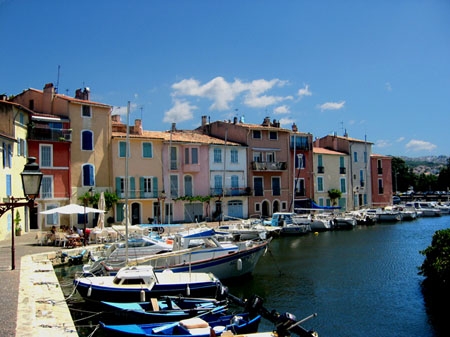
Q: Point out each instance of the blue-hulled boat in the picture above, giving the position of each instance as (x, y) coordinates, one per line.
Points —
(203, 326)
(166, 309)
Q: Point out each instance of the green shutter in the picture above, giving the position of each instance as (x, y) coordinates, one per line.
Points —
(118, 191)
(155, 187)
(132, 188)
(141, 187)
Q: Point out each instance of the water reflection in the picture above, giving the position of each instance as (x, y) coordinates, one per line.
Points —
(362, 282)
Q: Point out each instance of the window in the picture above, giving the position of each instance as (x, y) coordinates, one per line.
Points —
(276, 188)
(361, 178)
(258, 185)
(188, 186)
(300, 187)
(319, 184)
(257, 157)
(365, 156)
(256, 134)
(270, 157)
(273, 135)
(123, 149)
(147, 150)
(217, 155)
(234, 156)
(355, 157)
(51, 219)
(88, 175)
(46, 155)
(217, 185)
(234, 185)
(191, 155)
(194, 155)
(86, 111)
(147, 185)
(380, 186)
(174, 186)
(173, 158)
(47, 187)
(21, 147)
(87, 140)
(343, 185)
(300, 161)
(8, 185)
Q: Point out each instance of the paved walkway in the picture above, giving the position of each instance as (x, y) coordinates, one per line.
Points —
(10, 279)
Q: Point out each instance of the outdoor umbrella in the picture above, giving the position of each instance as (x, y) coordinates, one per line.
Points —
(101, 206)
(73, 209)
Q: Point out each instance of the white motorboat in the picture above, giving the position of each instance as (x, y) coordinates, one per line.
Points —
(289, 224)
(200, 250)
(141, 283)
(425, 208)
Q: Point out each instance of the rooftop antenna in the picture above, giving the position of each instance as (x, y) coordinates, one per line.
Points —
(342, 127)
(57, 80)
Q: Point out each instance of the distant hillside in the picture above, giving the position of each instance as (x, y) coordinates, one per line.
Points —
(426, 164)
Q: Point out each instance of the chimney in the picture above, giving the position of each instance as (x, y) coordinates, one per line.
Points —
(174, 127)
(266, 121)
(235, 119)
(83, 94)
(47, 101)
(138, 127)
(115, 118)
(3, 97)
(204, 121)
(294, 127)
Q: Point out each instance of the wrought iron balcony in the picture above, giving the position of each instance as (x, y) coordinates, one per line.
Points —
(231, 191)
(49, 134)
(269, 166)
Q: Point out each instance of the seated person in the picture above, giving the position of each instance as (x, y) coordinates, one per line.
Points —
(52, 235)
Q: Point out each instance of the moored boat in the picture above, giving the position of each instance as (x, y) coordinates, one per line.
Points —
(140, 283)
(203, 326)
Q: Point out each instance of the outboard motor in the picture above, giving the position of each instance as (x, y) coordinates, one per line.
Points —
(254, 305)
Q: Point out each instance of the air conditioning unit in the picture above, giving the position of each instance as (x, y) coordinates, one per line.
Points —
(68, 137)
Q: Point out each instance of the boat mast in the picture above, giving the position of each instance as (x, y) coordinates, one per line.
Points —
(126, 182)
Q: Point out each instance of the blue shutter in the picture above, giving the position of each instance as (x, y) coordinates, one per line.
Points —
(155, 187)
(132, 188)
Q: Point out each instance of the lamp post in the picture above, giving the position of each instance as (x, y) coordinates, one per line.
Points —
(31, 184)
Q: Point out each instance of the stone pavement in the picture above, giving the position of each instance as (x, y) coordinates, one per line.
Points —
(20, 288)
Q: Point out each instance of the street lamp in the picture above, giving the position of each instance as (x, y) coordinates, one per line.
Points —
(31, 183)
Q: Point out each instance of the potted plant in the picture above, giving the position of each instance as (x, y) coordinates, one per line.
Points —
(18, 227)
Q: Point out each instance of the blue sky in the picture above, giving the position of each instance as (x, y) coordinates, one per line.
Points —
(379, 70)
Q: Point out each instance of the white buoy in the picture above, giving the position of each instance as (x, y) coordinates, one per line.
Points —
(239, 264)
(89, 293)
(142, 295)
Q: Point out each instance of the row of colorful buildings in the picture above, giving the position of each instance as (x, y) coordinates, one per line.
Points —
(221, 169)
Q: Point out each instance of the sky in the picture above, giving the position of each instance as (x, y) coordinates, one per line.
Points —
(377, 70)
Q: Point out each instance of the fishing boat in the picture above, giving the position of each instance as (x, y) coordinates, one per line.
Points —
(200, 250)
(140, 283)
(196, 326)
(163, 309)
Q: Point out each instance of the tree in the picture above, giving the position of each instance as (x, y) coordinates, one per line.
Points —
(436, 266)
(334, 195)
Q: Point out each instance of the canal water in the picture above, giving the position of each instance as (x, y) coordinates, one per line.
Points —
(361, 282)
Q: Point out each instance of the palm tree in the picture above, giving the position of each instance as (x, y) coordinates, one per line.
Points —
(334, 195)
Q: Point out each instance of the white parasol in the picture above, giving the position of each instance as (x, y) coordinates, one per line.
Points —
(73, 209)
(101, 206)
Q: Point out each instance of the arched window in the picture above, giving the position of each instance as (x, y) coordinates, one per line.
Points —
(87, 140)
(88, 175)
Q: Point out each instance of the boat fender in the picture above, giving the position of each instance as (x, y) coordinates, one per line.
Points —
(89, 292)
(188, 290)
(142, 295)
(239, 264)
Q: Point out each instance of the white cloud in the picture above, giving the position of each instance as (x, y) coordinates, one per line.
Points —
(420, 145)
(388, 86)
(222, 93)
(304, 91)
(332, 106)
(283, 109)
(286, 122)
(181, 111)
(400, 139)
(382, 143)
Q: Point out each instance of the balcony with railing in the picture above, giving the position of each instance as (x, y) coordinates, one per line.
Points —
(49, 134)
(191, 168)
(269, 166)
(231, 191)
